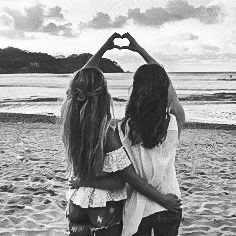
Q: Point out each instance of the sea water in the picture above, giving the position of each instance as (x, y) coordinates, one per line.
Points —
(206, 97)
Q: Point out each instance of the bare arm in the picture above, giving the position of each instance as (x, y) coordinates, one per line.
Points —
(176, 108)
(173, 101)
(117, 181)
(111, 182)
(135, 47)
(108, 45)
(129, 176)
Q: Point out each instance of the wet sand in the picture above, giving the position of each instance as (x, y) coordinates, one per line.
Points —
(33, 182)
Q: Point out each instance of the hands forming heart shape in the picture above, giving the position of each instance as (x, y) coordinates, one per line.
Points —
(133, 45)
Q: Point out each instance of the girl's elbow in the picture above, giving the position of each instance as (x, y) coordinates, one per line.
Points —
(179, 113)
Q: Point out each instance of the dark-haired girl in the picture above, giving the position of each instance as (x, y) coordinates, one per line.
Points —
(149, 132)
(97, 161)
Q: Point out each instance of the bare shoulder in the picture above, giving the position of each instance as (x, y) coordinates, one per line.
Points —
(112, 140)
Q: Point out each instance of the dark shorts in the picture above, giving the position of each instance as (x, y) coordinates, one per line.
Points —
(95, 221)
(164, 223)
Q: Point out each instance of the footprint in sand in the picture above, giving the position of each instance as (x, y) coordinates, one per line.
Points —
(7, 188)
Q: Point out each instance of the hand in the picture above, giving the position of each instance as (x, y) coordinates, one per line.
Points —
(133, 45)
(77, 183)
(73, 184)
(171, 202)
(109, 44)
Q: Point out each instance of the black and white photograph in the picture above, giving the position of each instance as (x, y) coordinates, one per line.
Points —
(117, 118)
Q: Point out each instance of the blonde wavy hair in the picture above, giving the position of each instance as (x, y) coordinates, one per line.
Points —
(85, 119)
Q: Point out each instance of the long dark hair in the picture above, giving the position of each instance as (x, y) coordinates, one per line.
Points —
(86, 118)
(146, 112)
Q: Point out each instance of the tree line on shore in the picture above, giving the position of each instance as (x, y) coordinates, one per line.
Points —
(14, 60)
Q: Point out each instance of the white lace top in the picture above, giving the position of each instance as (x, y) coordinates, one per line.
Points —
(92, 197)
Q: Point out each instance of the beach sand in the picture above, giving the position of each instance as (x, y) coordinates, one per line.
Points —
(33, 183)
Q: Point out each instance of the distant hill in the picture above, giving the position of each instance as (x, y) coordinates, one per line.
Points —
(14, 60)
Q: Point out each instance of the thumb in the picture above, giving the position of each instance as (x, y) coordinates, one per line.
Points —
(116, 46)
(128, 47)
(125, 47)
(173, 195)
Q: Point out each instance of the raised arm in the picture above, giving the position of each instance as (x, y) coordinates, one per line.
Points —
(135, 47)
(176, 108)
(173, 101)
(108, 45)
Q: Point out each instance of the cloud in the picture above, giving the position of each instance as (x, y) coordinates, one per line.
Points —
(6, 21)
(211, 48)
(153, 16)
(182, 10)
(229, 55)
(56, 12)
(30, 21)
(189, 36)
(104, 21)
(64, 30)
(184, 57)
(192, 37)
(16, 34)
(7, 27)
(176, 10)
(34, 20)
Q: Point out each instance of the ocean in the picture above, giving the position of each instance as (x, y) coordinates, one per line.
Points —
(206, 97)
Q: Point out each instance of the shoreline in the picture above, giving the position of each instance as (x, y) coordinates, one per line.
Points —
(51, 118)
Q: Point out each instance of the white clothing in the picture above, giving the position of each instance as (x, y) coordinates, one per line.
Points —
(86, 197)
(156, 165)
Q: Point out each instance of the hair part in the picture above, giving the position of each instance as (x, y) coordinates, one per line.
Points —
(146, 112)
(86, 119)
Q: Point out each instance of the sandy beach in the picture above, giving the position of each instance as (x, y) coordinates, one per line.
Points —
(33, 183)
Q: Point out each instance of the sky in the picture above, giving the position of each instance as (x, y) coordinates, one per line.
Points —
(183, 35)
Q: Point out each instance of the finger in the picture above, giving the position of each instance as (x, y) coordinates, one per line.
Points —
(173, 195)
(177, 209)
(128, 47)
(178, 205)
(126, 35)
(125, 47)
(73, 184)
(116, 35)
(74, 187)
(173, 210)
(116, 46)
(129, 37)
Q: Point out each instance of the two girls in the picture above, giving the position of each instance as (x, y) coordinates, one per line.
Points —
(102, 160)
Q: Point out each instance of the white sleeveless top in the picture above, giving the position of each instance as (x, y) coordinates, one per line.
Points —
(87, 197)
(156, 165)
